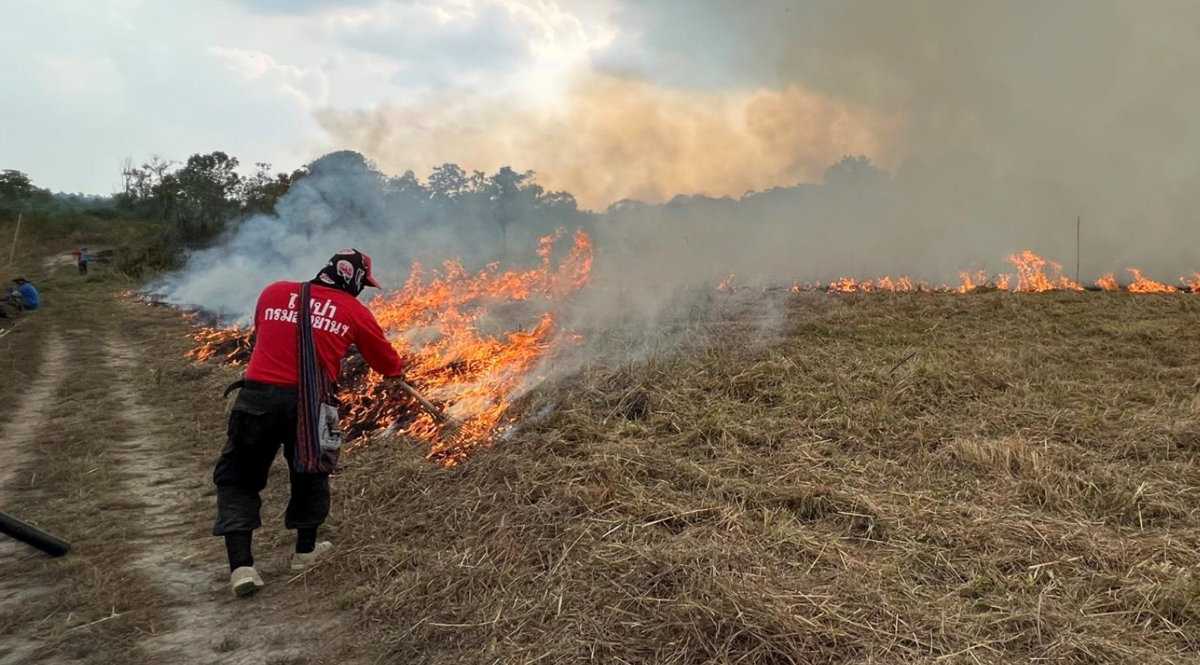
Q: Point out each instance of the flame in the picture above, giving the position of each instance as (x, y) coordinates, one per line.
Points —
(1191, 284)
(437, 321)
(231, 345)
(437, 324)
(1032, 278)
(1143, 284)
(845, 285)
(971, 281)
(901, 283)
(473, 373)
(1034, 275)
(888, 284)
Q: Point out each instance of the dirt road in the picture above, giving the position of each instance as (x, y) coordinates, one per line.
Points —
(110, 445)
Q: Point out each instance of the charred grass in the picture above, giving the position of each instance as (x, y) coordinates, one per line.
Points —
(907, 478)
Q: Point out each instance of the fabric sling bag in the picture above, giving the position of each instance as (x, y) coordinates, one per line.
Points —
(318, 432)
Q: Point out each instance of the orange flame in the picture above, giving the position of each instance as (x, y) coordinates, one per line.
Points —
(436, 325)
(971, 281)
(1191, 284)
(1143, 284)
(1032, 278)
(1034, 275)
(888, 284)
(474, 374)
(231, 344)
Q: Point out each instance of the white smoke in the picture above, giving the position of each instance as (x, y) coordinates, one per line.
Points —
(343, 202)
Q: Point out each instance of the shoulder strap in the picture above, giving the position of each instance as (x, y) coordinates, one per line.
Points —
(313, 386)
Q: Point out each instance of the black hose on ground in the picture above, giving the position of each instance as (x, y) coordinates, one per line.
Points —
(15, 528)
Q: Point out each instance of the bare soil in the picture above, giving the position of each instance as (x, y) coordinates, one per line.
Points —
(110, 446)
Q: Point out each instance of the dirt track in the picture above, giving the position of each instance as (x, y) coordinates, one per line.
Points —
(96, 458)
(16, 439)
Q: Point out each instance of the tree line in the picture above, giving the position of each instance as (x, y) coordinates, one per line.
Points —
(199, 196)
(193, 201)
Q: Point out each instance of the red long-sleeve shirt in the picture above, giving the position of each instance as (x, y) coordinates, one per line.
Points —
(338, 319)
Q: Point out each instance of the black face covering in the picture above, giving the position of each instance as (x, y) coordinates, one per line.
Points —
(347, 271)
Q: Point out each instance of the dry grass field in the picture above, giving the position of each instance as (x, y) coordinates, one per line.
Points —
(912, 478)
(877, 478)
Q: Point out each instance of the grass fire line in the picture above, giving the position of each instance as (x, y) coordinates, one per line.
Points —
(471, 376)
(1034, 274)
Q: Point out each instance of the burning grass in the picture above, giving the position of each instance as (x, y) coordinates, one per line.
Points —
(439, 324)
(903, 478)
(1033, 274)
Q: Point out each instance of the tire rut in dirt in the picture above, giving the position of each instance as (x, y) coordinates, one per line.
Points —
(17, 438)
(209, 625)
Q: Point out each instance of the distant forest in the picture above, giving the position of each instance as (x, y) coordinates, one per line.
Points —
(181, 206)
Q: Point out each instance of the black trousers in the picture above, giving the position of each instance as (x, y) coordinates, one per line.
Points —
(82, 268)
(263, 419)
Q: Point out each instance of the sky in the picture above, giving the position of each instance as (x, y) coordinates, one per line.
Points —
(88, 83)
(985, 113)
(412, 84)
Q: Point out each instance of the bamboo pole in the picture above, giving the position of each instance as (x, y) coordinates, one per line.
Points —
(12, 253)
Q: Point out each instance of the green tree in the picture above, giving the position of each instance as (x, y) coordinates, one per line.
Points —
(262, 189)
(16, 189)
(515, 194)
(448, 181)
(208, 194)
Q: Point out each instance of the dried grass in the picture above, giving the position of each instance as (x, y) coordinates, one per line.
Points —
(1021, 489)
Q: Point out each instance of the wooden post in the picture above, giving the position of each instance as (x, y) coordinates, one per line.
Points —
(1078, 222)
(12, 253)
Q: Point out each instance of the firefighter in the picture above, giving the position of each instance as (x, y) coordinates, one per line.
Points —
(264, 415)
(30, 298)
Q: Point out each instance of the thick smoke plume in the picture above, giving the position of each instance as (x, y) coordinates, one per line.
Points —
(987, 128)
(1001, 123)
(616, 138)
(346, 202)
(1022, 115)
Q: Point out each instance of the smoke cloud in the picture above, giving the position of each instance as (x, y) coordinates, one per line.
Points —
(615, 138)
(1000, 122)
(1020, 116)
(986, 128)
(346, 202)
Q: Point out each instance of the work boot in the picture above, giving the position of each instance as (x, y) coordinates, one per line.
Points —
(310, 559)
(245, 581)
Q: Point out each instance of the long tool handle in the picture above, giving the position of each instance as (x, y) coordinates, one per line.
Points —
(433, 410)
(11, 526)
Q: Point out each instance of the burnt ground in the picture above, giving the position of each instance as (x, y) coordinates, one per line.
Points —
(107, 437)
